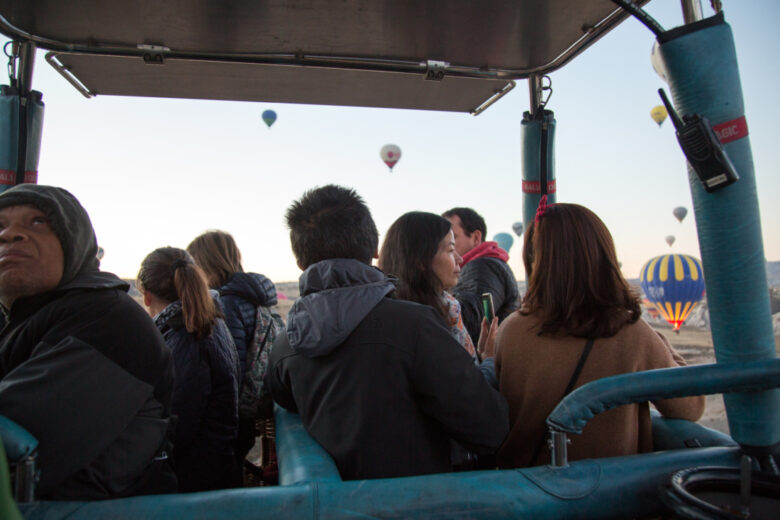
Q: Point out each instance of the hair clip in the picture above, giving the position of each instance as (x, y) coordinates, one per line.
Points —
(541, 208)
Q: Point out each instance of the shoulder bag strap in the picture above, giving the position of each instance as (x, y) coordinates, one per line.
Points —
(569, 387)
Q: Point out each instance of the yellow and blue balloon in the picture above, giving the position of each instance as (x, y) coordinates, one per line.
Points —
(674, 284)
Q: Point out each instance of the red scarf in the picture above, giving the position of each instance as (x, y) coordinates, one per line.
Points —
(485, 249)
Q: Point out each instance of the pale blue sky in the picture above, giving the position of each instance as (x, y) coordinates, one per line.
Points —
(155, 172)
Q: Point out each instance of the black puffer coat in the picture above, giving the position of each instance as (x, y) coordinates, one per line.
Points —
(205, 400)
(240, 297)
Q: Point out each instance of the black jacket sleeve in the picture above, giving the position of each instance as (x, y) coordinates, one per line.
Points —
(453, 390)
(53, 395)
(276, 380)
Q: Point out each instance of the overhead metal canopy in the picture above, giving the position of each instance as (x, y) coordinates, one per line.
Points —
(456, 55)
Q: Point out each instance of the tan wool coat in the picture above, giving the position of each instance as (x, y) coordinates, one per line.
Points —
(533, 372)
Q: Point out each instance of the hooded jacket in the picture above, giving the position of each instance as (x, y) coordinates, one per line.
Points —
(380, 383)
(484, 270)
(240, 297)
(83, 368)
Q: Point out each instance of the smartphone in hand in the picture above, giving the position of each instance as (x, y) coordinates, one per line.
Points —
(487, 307)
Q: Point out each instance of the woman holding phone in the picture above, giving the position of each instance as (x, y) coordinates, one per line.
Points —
(579, 321)
(419, 250)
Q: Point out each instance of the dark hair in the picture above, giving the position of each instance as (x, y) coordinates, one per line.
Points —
(217, 254)
(407, 253)
(573, 275)
(470, 220)
(331, 222)
(170, 274)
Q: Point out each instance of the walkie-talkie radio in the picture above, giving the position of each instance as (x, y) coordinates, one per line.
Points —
(702, 148)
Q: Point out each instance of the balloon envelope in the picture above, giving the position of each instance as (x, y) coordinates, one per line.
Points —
(657, 62)
(659, 113)
(679, 213)
(390, 154)
(674, 284)
(269, 116)
(504, 240)
(517, 227)
(670, 240)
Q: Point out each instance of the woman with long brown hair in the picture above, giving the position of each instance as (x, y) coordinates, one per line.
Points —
(419, 251)
(241, 294)
(205, 392)
(578, 309)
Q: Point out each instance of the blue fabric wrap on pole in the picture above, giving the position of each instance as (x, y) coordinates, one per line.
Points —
(9, 139)
(703, 76)
(531, 137)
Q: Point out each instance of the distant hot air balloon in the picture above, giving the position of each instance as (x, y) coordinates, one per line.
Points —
(269, 116)
(390, 154)
(679, 213)
(674, 284)
(669, 240)
(504, 240)
(517, 227)
(659, 113)
(657, 62)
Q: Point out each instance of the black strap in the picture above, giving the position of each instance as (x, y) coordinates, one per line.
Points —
(569, 387)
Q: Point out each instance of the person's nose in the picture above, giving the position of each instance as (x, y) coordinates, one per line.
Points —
(12, 232)
(458, 260)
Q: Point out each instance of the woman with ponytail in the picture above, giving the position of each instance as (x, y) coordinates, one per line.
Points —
(206, 368)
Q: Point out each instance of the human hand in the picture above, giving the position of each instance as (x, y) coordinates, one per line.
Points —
(486, 346)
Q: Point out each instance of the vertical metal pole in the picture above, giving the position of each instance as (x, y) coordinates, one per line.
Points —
(534, 92)
(558, 443)
(25, 480)
(692, 11)
(26, 65)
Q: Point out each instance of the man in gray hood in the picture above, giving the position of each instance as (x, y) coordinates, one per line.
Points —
(82, 366)
(380, 383)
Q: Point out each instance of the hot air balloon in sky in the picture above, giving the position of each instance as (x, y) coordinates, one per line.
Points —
(390, 154)
(679, 213)
(659, 113)
(504, 240)
(269, 116)
(670, 240)
(517, 227)
(674, 284)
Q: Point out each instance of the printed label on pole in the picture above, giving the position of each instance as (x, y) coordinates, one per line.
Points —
(731, 130)
(536, 186)
(8, 177)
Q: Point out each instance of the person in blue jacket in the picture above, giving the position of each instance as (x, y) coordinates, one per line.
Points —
(206, 370)
(240, 294)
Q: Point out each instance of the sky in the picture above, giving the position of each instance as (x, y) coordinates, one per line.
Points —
(157, 172)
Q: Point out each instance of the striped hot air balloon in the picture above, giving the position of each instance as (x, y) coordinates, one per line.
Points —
(674, 284)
